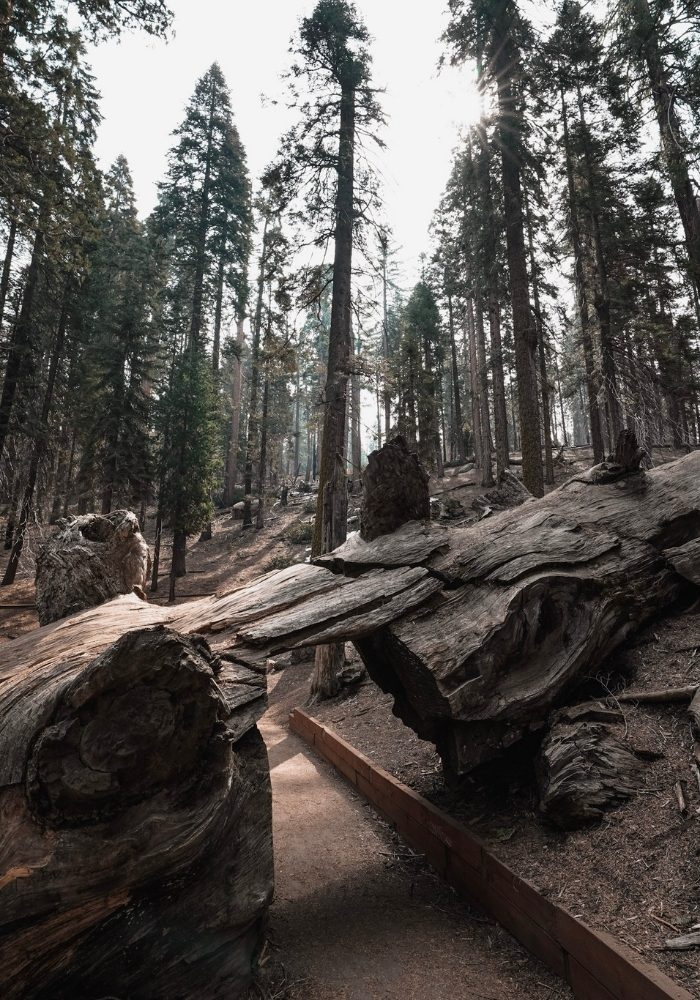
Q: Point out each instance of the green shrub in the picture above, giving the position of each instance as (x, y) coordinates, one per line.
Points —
(300, 533)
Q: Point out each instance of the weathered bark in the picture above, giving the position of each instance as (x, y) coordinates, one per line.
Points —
(583, 769)
(88, 561)
(135, 848)
(532, 597)
(477, 632)
(395, 490)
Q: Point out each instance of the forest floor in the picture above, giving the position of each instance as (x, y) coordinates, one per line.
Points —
(636, 874)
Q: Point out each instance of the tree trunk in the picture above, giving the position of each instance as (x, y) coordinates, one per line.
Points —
(541, 348)
(356, 415)
(592, 384)
(483, 383)
(507, 70)
(457, 424)
(475, 389)
(7, 266)
(252, 436)
(39, 445)
(19, 347)
(602, 298)
(232, 465)
(262, 464)
(138, 857)
(331, 515)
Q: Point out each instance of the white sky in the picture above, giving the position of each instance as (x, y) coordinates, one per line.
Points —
(145, 85)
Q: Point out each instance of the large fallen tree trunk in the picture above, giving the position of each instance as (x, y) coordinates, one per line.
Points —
(135, 834)
(477, 632)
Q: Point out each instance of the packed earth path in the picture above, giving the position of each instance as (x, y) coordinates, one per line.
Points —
(357, 915)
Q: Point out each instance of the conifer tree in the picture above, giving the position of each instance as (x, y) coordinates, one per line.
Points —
(335, 63)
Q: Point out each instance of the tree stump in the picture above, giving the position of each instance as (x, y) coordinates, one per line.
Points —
(395, 486)
(135, 844)
(90, 560)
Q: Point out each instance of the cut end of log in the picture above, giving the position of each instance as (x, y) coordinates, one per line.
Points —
(139, 719)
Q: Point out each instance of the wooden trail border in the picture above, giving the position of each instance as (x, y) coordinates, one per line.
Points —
(593, 963)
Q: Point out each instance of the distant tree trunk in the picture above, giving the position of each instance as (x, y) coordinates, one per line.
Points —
(475, 388)
(561, 402)
(254, 385)
(500, 416)
(592, 385)
(40, 442)
(331, 515)
(602, 298)
(19, 347)
(356, 411)
(507, 70)
(7, 266)
(60, 482)
(232, 465)
(219, 303)
(262, 464)
(385, 339)
(12, 513)
(541, 347)
(457, 423)
(483, 383)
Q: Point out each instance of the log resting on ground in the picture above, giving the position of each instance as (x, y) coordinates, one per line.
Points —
(88, 560)
(135, 814)
(478, 632)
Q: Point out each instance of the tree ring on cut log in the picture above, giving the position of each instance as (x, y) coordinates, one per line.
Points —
(138, 720)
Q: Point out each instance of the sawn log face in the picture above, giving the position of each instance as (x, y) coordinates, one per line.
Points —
(135, 848)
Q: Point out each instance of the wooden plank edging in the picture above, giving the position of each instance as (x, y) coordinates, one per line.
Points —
(593, 963)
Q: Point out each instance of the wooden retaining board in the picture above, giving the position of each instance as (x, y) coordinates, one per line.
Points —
(593, 963)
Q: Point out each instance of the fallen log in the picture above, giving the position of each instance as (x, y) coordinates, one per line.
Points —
(88, 560)
(532, 599)
(477, 632)
(135, 841)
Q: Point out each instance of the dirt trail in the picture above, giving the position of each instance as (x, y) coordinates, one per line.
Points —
(356, 915)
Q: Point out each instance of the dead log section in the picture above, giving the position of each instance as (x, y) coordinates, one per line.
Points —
(89, 560)
(596, 966)
(135, 814)
(477, 632)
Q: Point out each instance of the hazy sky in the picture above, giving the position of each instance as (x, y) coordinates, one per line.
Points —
(145, 85)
